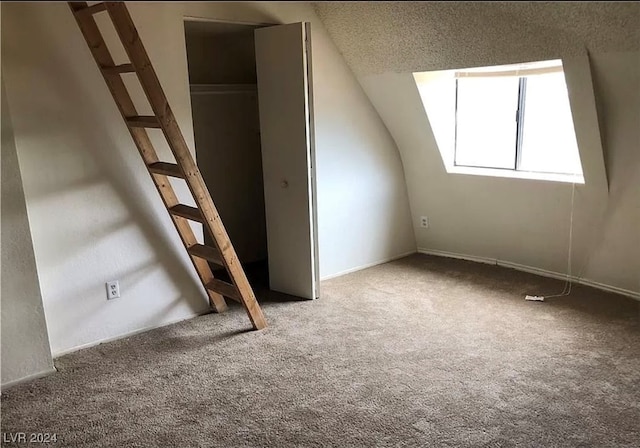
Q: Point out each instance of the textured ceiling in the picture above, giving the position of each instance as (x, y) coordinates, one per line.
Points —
(378, 37)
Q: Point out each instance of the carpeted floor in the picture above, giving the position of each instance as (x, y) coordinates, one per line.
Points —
(420, 352)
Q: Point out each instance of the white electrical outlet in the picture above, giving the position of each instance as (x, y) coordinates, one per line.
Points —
(113, 290)
(424, 222)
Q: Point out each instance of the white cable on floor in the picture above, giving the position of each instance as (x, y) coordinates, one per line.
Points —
(568, 282)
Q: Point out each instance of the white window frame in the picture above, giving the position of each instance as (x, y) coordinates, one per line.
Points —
(437, 92)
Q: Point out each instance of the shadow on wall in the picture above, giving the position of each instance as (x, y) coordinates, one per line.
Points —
(97, 158)
(623, 167)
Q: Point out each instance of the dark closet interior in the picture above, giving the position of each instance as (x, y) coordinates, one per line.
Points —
(224, 103)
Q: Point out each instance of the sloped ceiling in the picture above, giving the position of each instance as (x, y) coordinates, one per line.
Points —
(513, 220)
(379, 37)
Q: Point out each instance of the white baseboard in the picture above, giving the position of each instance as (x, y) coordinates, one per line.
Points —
(31, 377)
(533, 270)
(368, 265)
(126, 335)
(441, 253)
(537, 271)
(98, 342)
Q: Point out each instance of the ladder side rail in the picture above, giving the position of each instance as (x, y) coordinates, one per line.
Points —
(125, 105)
(153, 90)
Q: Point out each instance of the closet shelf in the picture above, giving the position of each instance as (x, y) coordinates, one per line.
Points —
(222, 88)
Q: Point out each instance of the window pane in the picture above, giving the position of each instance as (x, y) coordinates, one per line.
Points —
(486, 122)
(549, 141)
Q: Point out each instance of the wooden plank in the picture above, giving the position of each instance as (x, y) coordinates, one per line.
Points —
(118, 69)
(167, 169)
(187, 212)
(89, 11)
(224, 288)
(141, 121)
(153, 90)
(125, 105)
(208, 253)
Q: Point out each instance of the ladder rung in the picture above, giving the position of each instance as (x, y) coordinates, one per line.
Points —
(167, 169)
(143, 122)
(224, 288)
(117, 69)
(206, 252)
(93, 9)
(187, 212)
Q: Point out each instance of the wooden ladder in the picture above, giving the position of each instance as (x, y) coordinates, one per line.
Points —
(185, 168)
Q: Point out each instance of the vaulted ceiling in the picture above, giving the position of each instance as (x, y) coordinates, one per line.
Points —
(378, 37)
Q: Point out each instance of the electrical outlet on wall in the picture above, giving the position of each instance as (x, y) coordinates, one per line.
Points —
(113, 290)
(424, 222)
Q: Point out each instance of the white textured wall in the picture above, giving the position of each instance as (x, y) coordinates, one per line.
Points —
(25, 344)
(512, 220)
(94, 213)
(615, 248)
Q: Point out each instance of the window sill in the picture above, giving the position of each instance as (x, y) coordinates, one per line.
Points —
(491, 172)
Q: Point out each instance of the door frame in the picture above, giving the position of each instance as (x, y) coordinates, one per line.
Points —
(231, 22)
(308, 57)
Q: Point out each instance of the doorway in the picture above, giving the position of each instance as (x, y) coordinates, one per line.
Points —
(224, 103)
(252, 114)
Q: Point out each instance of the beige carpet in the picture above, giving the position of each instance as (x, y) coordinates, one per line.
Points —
(421, 352)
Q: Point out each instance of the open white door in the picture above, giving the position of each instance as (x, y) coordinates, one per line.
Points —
(286, 127)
